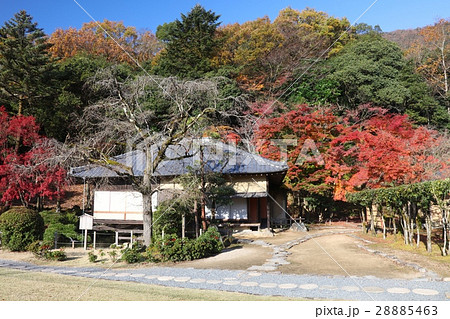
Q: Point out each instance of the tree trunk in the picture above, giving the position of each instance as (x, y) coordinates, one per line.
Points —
(88, 196)
(196, 220)
(183, 225)
(363, 219)
(384, 226)
(447, 231)
(20, 108)
(19, 113)
(203, 213)
(203, 187)
(372, 221)
(213, 210)
(58, 205)
(444, 228)
(405, 224)
(147, 218)
(429, 229)
(448, 236)
(418, 232)
(412, 218)
(394, 222)
(147, 198)
(58, 201)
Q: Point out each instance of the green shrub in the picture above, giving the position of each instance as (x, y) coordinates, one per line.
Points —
(113, 254)
(63, 223)
(44, 251)
(211, 242)
(133, 254)
(153, 253)
(64, 217)
(168, 217)
(58, 255)
(38, 249)
(20, 227)
(92, 257)
(172, 248)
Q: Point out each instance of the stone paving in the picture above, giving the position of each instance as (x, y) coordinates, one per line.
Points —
(263, 283)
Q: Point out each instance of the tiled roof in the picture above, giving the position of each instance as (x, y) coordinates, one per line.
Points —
(183, 157)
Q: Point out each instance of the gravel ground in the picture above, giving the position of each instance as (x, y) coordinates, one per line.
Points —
(264, 283)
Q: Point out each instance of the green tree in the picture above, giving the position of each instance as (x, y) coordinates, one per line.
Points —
(190, 44)
(364, 28)
(71, 96)
(25, 64)
(368, 70)
(374, 70)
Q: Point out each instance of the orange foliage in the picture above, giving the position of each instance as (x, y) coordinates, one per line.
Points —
(119, 43)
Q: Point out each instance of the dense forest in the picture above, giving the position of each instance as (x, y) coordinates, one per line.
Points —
(364, 111)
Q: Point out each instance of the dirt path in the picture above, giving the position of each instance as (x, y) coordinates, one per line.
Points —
(239, 258)
(305, 258)
(310, 258)
(442, 268)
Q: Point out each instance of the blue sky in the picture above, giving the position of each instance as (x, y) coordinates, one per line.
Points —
(389, 14)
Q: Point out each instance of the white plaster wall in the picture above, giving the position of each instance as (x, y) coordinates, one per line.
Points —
(118, 205)
(238, 210)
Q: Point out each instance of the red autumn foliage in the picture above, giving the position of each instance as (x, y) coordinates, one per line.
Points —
(26, 169)
(307, 132)
(385, 150)
(365, 148)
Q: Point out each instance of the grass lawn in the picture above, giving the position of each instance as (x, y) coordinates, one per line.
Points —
(18, 285)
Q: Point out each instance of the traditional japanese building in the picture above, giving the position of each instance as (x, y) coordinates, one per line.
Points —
(259, 198)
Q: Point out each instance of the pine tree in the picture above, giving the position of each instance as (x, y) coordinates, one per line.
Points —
(190, 44)
(25, 63)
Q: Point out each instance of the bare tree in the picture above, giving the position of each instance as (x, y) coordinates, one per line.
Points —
(146, 113)
(431, 54)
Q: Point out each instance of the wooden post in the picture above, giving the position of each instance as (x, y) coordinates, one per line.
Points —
(95, 238)
(131, 238)
(117, 238)
(85, 239)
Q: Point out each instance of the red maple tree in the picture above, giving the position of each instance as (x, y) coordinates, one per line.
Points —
(302, 136)
(385, 150)
(26, 169)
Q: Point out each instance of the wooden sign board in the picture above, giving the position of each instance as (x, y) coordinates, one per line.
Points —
(86, 222)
